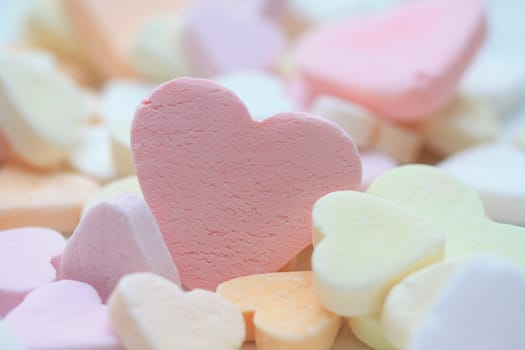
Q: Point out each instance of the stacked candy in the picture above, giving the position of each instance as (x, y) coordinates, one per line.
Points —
(270, 202)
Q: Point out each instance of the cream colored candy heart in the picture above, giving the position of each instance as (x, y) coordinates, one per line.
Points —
(48, 199)
(126, 184)
(41, 110)
(409, 301)
(357, 121)
(93, 156)
(119, 99)
(467, 121)
(363, 246)
(281, 311)
(369, 330)
(149, 312)
(399, 142)
(455, 207)
(157, 52)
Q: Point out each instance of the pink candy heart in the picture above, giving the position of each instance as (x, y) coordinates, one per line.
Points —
(65, 315)
(218, 39)
(115, 238)
(233, 196)
(404, 64)
(29, 258)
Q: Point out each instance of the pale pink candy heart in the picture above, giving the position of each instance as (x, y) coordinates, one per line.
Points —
(115, 238)
(64, 315)
(233, 196)
(29, 258)
(375, 164)
(219, 39)
(404, 64)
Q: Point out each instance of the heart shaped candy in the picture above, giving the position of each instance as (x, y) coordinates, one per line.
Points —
(463, 316)
(497, 172)
(457, 208)
(64, 315)
(388, 63)
(7, 340)
(233, 196)
(151, 313)
(363, 246)
(281, 311)
(29, 258)
(219, 39)
(135, 245)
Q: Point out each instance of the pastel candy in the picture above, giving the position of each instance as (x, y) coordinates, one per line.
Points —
(218, 39)
(44, 320)
(152, 313)
(263, 93)
(93, 156)
(136, 245)
(41, 111)
(375, 164)
(281, 311)
(463, 316)
(119, 100)
(369, 330)
(48, 199)
(157, 52)
(466, 122)
(107, 30)
(363, 245)
(347, 59)
(400, 142)
(497, 79)
(355, 120)
(29, 258)
(455, 207)
(262, 179)
(7, 340)
(501, 185)
(112, 189)
(409, 302)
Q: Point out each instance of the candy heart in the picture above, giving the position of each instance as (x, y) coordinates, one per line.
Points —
(151, 313)
(107, 31)
(466, 122)
(387, 62)
(157, 52)
(49, 199)
(29, 258)
(363, 246)
(281, 311)
(369, 330)
(64, 315)
(233, 196)
(41, 110)
(451, 204)
(411, 300)
(219, 39)
(7, 340)
(500, 185)
(136, 245)
(263, 93)
(355, 120)
(463, 315)
(375, 164)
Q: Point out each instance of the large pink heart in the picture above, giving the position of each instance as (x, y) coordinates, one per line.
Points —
(233, 196)
(404, 64)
